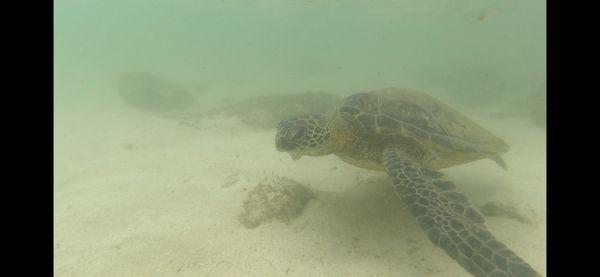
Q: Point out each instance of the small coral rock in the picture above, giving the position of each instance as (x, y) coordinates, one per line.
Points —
(274, 198)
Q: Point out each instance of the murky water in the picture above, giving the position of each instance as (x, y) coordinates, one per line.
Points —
(165, 121)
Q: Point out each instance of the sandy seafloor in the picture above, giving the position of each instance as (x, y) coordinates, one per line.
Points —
(140, 195)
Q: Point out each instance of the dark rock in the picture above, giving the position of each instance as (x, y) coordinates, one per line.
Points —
(148, 92)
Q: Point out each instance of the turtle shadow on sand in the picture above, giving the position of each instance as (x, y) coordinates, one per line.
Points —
(366, 211)
(281, 199)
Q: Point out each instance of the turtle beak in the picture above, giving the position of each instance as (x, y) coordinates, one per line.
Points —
(284, 144)
(295, 156)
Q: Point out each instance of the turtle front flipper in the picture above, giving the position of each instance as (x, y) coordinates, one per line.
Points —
(450, 221)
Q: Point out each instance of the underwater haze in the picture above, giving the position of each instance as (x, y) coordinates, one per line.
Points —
(165, 114)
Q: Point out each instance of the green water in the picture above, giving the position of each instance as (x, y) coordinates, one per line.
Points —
(342, 46)
(115, 165)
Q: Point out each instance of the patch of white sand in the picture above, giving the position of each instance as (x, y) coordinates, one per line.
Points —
(137, 195)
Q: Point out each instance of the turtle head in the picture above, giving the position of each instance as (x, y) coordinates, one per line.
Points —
(306, 135)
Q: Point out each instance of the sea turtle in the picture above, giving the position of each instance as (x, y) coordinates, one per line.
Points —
(412, 135)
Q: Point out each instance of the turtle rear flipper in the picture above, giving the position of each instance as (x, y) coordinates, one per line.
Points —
(450, 221)
(499, 161)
